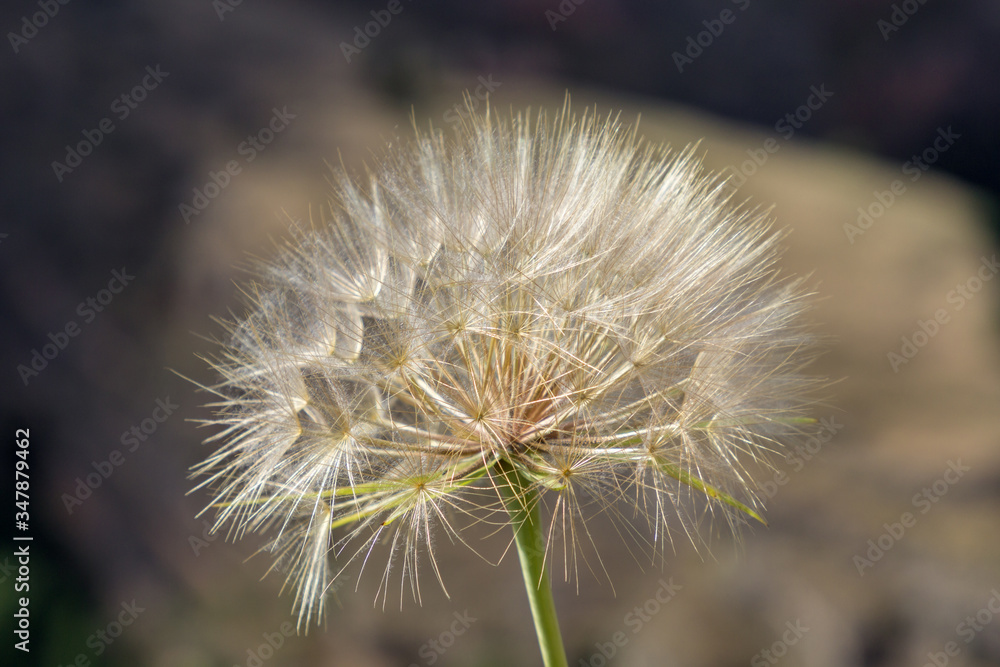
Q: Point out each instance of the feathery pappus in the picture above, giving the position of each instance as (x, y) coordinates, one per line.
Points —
(546, 297)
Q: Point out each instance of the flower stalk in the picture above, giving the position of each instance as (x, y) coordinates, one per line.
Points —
(521, 501)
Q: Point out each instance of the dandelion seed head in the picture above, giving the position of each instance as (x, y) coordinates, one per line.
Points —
(551, 293)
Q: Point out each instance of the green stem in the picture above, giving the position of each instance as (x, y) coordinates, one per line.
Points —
(521, 501)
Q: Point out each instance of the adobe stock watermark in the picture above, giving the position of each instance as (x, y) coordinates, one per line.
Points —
(786, 126)
(901, 13)
(208, 536)
(802, 454)
(266, 650)
(697, 44)
(87, 310)
(927, 329)
(130, 439)
(7, 570)
(121, 107)
(363, 35)
(22, 617)
(562, 13)
(223, 7)
(966, 630)
(635, 620)
(431, 651)
(924, 500)
(99, 641)
(199, 543)
(30, 25)
(249, 149)
(914, 168)
(481, 93)
(779, 649)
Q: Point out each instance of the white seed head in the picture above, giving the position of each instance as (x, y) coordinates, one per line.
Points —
(553, 294)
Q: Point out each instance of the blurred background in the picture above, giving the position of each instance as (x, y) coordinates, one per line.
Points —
(149, 149)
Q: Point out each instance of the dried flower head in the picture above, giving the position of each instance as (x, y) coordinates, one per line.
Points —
(547, 299)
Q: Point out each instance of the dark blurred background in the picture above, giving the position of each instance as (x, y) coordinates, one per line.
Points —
(148, 149)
